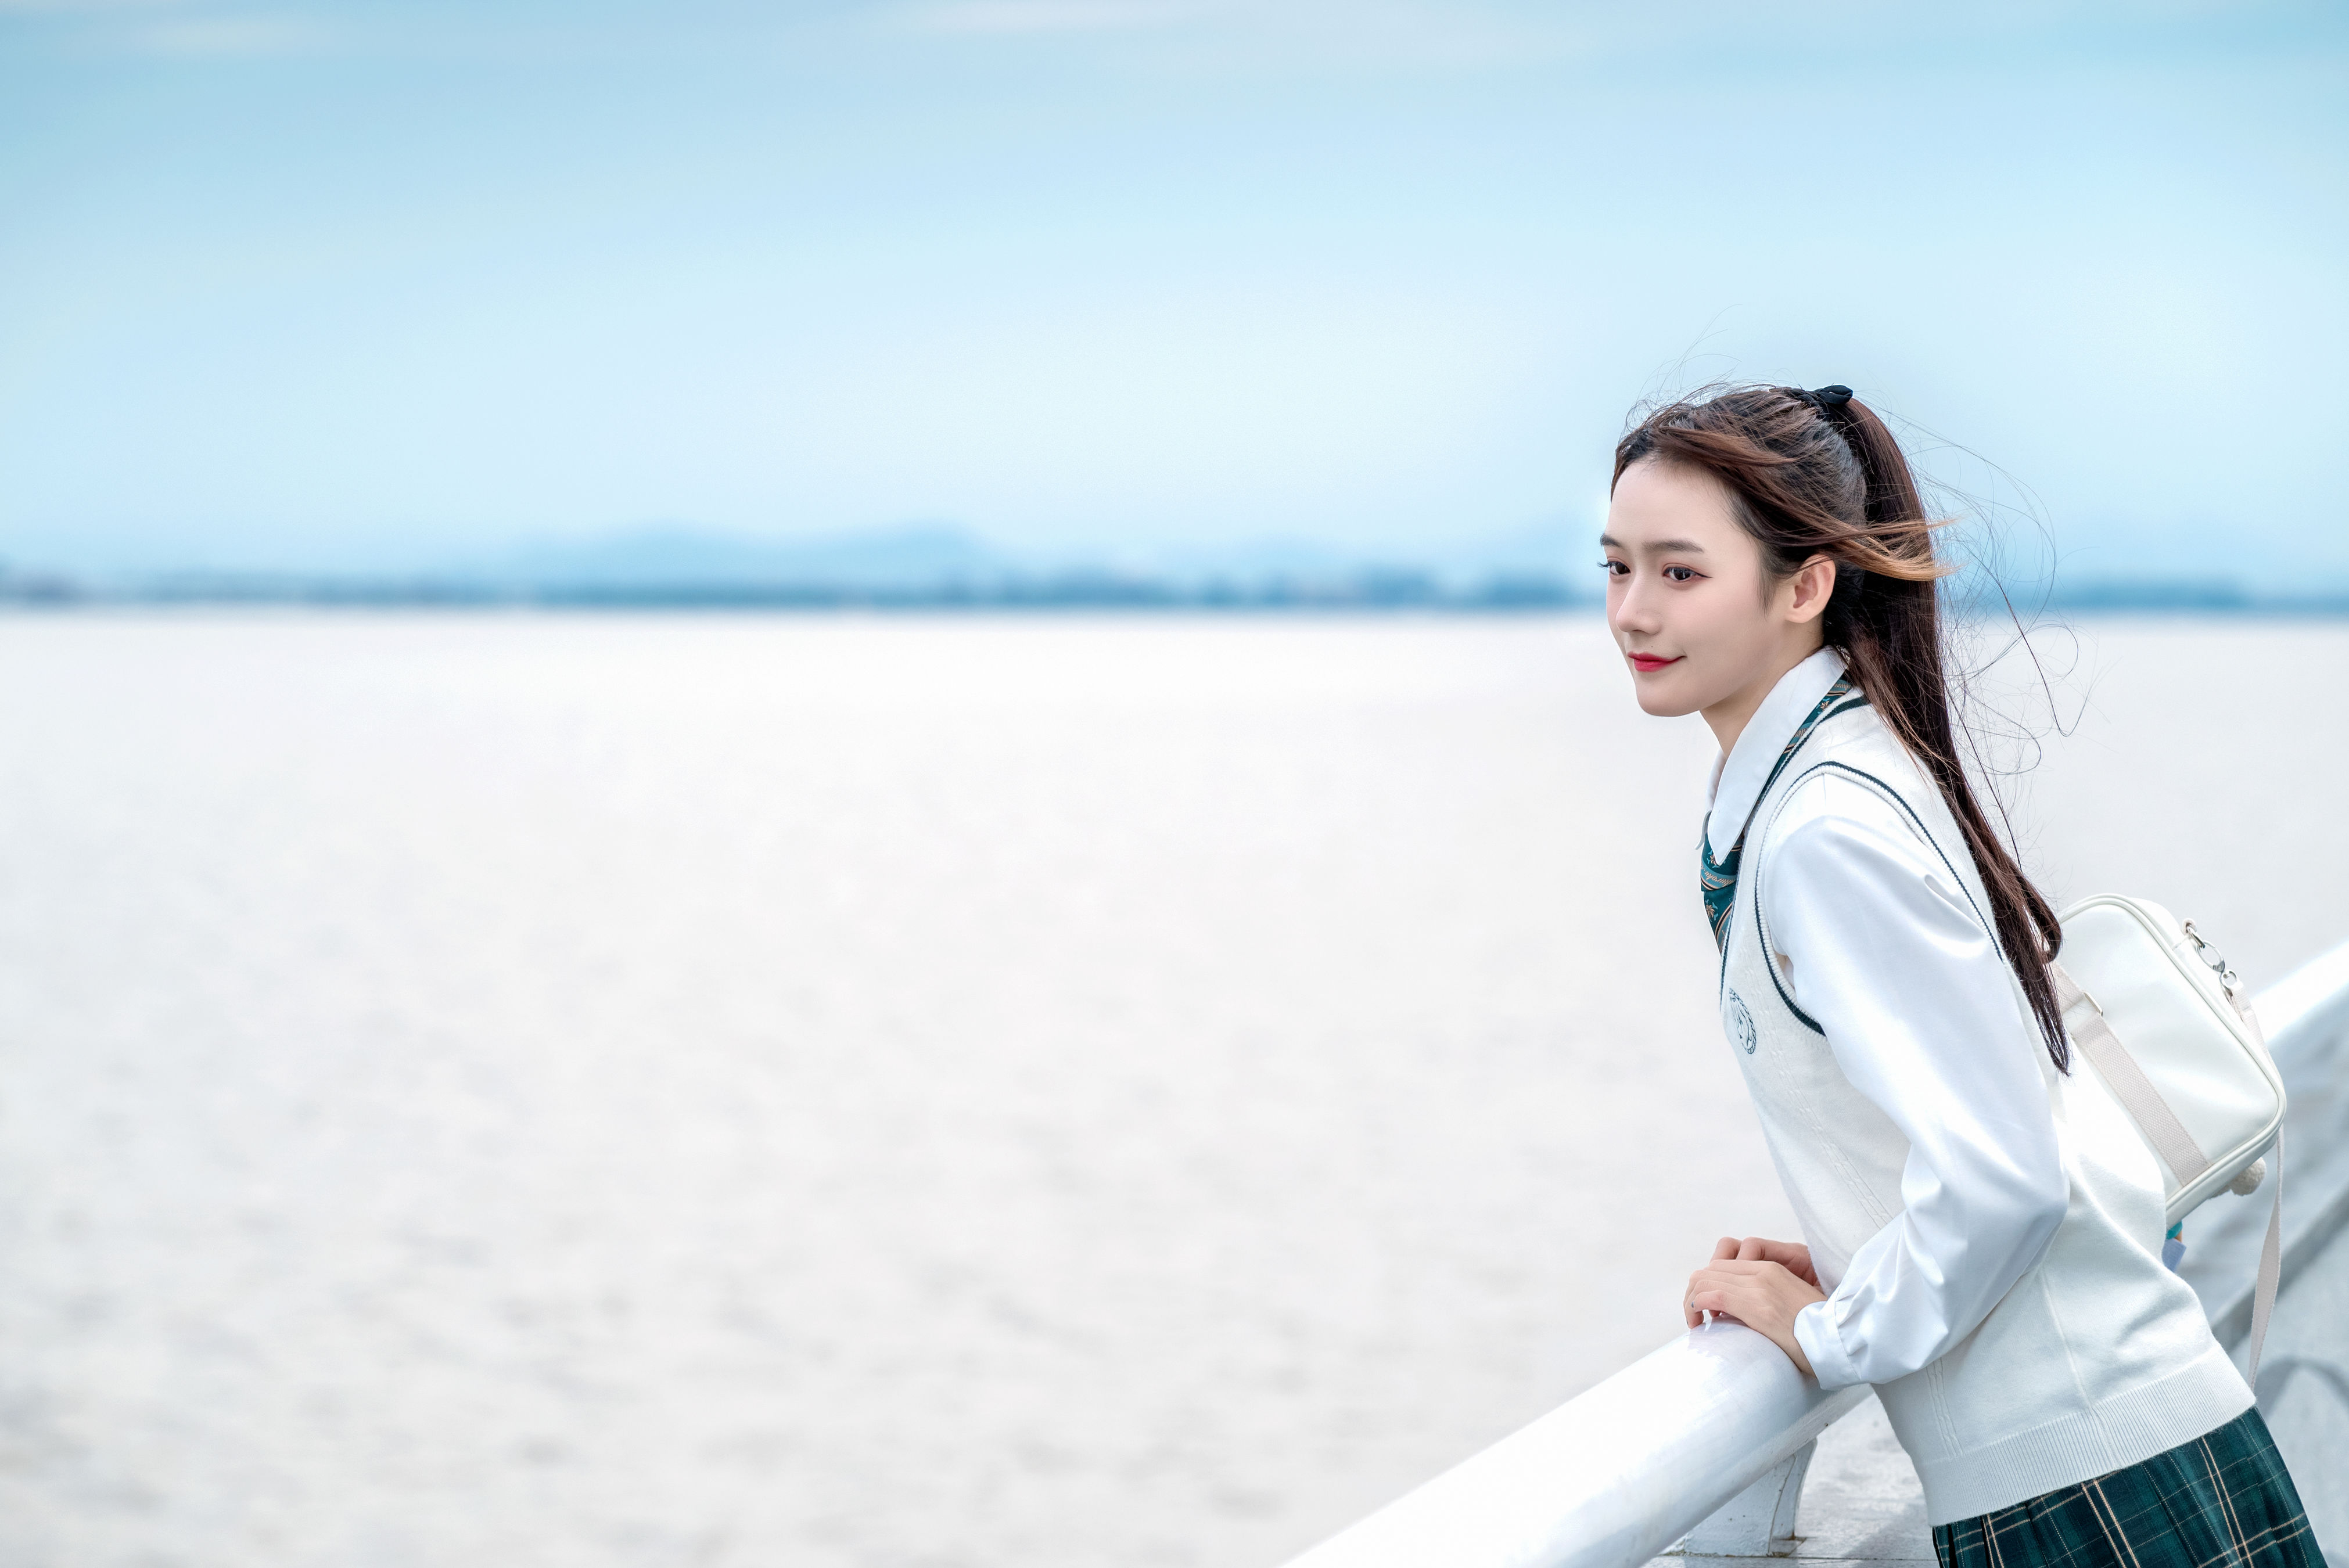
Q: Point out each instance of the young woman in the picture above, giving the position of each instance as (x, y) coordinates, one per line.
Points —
(1982, 1223)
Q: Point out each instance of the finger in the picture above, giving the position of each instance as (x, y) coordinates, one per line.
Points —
(1724, 1248)
(1714, 1295)
(1720, 1304)
(1719, 1291)
(1751, 1248)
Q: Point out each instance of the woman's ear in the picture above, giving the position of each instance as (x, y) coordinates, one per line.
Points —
(1813, 582)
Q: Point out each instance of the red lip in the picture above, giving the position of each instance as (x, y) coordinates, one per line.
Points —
(1644, 663)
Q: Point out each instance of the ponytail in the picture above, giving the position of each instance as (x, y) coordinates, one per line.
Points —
(1818, 473)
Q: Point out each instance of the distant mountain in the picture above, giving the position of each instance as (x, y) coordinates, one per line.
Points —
(1544, 564)
(941, 560)
(916, 555)
(1551, 549)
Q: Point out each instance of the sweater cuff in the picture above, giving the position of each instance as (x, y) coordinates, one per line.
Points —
(1814, 1331)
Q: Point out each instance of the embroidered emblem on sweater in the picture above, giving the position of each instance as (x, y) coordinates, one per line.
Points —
(1717, 880)
(1740, 1024)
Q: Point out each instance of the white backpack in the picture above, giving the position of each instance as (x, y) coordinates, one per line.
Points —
(2170, 1027)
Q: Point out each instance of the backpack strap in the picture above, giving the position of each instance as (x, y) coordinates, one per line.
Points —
(2094, 1034)
(2263, 1295)
(2144, 1103)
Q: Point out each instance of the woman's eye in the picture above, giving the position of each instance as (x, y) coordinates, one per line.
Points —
(1680, 573)
(1615, 568)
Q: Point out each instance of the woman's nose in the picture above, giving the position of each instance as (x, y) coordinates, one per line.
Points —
(1630, 609)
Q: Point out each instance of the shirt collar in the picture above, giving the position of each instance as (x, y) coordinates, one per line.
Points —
(1738, 777)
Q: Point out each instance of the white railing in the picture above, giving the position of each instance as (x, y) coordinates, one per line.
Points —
(1626, 1469)
(1613, 1476)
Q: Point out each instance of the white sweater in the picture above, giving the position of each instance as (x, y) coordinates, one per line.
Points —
(1989, 1231)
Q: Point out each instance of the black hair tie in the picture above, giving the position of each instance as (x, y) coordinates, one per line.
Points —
(1826, 397)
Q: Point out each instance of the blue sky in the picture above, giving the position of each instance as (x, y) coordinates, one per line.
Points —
(365, 285)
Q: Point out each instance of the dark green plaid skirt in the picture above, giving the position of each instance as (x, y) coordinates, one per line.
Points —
(2223, 1500)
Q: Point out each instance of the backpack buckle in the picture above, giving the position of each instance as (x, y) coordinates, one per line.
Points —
(2228, 978)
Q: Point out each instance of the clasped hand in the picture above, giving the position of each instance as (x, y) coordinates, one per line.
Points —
(1760, 1283)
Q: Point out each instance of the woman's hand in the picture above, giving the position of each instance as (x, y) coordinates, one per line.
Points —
(1793, 1255)
(1760, 1283)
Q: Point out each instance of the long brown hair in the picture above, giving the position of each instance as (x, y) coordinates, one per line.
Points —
(1818, 473)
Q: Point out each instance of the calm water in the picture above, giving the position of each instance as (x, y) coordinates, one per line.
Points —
(484, 1091)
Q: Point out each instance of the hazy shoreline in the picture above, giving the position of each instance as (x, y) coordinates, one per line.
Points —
(1371, 594)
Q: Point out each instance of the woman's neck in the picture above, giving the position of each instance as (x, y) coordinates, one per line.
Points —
(1729, 715)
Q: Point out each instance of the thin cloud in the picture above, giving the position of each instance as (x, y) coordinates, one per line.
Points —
(1056, 15)
(87, 8)
(1296, 32)
(238, 37)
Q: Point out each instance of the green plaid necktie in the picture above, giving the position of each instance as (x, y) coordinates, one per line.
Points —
(1719, 878)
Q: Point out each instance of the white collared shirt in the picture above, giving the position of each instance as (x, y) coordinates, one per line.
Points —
(1890, 959)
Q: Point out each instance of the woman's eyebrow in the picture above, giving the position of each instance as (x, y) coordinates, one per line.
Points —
(1674, 546)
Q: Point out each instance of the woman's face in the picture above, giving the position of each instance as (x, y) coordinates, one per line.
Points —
(1686, 599)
